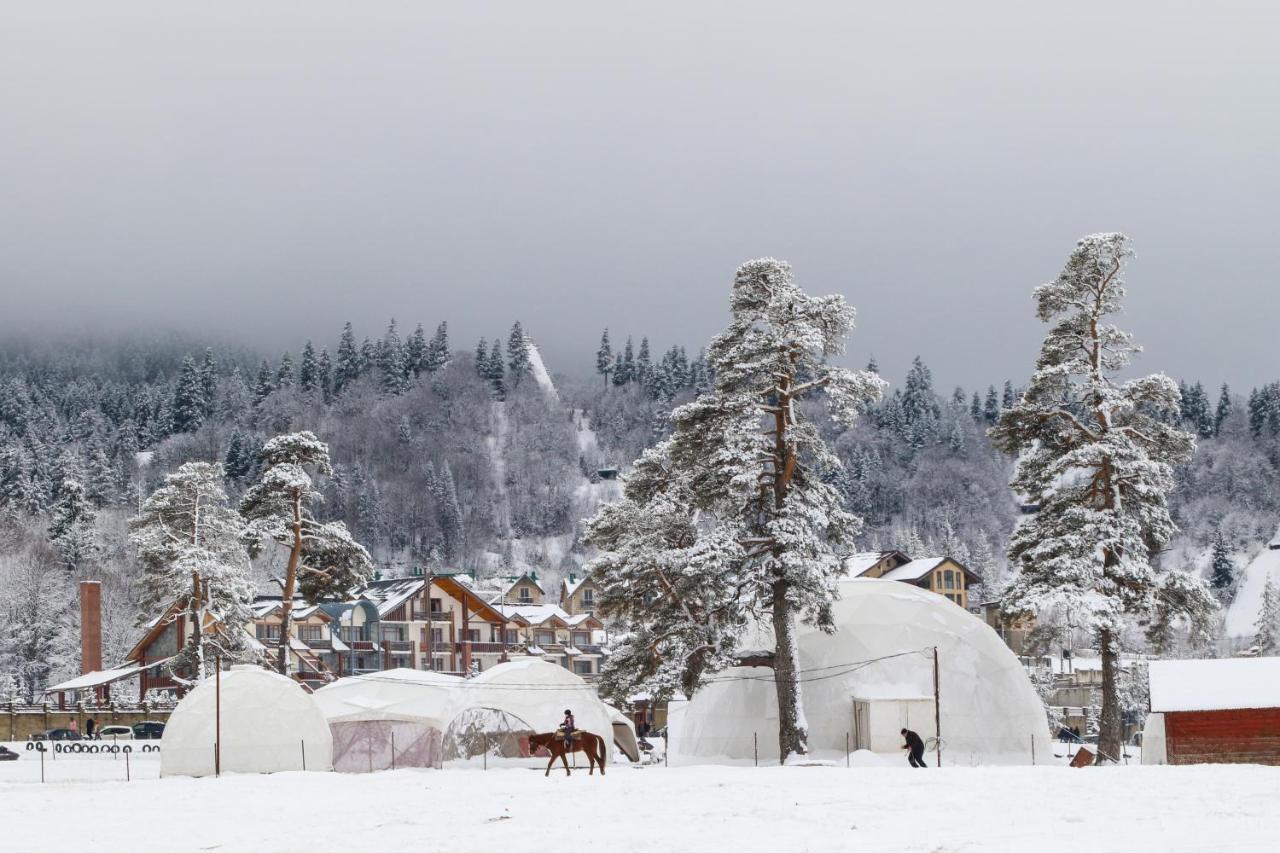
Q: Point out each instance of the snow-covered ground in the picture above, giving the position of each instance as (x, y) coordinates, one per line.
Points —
(655, 808)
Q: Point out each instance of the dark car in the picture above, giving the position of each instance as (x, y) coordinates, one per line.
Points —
(57, 734)
(148, 730)
(7, 754)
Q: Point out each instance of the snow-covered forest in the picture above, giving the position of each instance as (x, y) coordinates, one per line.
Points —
(479, 457)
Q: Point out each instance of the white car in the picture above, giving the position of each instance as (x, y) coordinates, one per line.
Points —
(115, 733)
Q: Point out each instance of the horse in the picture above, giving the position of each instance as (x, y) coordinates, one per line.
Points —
(585, 742)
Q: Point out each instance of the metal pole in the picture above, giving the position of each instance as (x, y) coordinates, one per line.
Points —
(755, 748)
(846, 749)
(485, 741)
(42, 765)
(1033, 750)
(217, 719)
(431, 628)
(128, 777)
(937, 709)
(304, 754)
(393, 749)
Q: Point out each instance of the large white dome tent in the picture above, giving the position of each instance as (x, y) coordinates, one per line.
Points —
(507, 702)
(390, 719)
(269, 723)
(870, 679)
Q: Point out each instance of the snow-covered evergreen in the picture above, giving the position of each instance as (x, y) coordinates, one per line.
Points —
(1100, 465)
(732, 518)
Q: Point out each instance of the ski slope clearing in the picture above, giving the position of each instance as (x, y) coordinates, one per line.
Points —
(1242, 615)
(660, 809)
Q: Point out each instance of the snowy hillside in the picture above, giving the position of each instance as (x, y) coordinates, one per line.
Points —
(1242, 615)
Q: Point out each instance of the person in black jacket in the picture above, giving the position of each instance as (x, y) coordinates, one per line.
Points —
(916, 747)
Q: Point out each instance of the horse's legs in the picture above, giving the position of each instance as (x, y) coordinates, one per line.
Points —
(549, 763)
(565, 759)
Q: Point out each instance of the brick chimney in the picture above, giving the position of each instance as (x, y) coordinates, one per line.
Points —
(90, 626)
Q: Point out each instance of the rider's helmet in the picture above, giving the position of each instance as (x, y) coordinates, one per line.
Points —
(567, 712)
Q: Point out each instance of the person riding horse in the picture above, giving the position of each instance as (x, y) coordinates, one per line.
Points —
(567, 727)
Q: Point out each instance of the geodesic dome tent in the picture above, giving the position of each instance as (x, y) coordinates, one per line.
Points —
(269, 724)
(869, 680)
(504, 704)
(382, 720)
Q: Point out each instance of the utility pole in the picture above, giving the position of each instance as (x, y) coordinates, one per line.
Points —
(431, 628)
(937, 710)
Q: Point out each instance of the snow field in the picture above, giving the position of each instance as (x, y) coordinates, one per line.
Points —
(1221, 807)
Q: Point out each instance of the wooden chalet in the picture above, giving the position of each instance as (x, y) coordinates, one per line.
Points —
(579, 595)
(1224, 711)
(943, 575)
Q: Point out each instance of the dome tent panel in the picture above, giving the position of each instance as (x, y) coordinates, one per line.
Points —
(882, 655)
(269, 724)
(537, 693)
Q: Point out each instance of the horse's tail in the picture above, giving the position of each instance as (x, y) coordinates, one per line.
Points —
(603, 746)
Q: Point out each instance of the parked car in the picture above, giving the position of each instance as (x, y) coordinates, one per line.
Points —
(7, 754)
(148, 730)
(115, 733)
(57, 734)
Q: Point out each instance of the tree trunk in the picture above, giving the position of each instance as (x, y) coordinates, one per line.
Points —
(793, 729)
(197, 623)
(1110, 726)
(290, 583)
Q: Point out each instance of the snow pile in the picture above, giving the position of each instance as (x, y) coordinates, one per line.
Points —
(1242, 615)
(1215, 685)
(870, 679)
(269, 724)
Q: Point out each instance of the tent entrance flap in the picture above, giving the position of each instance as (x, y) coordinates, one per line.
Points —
(877, 724)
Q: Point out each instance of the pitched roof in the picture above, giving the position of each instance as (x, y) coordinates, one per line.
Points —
(387, 595)
(855, 565)
(920, 567)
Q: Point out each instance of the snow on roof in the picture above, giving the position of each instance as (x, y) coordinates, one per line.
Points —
(577, 619)
(510, 582)
(1215, 685)
(388, 595)
(856, 564)
(97, 679)
(914, 570)
(571, 585)
(536, 614)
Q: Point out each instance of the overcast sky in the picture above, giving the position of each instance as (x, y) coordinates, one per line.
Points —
(266, 170)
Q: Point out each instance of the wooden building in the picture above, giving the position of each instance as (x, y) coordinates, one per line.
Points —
(942, 575)
(1224, 711)
(579, 595)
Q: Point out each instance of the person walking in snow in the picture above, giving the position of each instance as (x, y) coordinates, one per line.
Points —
(915, 745)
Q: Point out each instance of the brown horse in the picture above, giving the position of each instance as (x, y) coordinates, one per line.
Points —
(585, 742)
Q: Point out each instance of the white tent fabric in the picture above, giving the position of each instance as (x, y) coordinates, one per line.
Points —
(875, 675)
(536, 693)
(388, 720)
(269, 724)
(624, 733)
(1154, 747)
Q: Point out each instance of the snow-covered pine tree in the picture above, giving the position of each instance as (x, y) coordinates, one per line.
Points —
(438, 350)
(644, 364)
(36, 638)
(188, 398)
(191, 546)
(991, 407)
(71, 529)
(517, 354)
(1223, 568)
(482, 358)
(323, 558)
(262, 386)
(415, 352)
(604, 358)
(1267, 628)
(496, 369)
(448, 515)
(1100, 465)
(1223, 412)
(209, 382)
(1007, 397)
(391, 363)
(324, 375)
(975, 407)
(308, 369)
(285, 373)
(346, 367)
(732, 518)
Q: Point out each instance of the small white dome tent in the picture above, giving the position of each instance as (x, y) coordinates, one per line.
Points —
(872, 678)
(404, 709)
(521, 697)
(269, 724)
(624, 733)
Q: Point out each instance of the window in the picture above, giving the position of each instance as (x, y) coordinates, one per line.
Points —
(513, 637)
(948, 579)
(437, 635)
(310, 633)
(472, 635)
(526, 595)
(269, 631)
(581, 638)
(588, 598)
(546, 638)
(582, 667)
